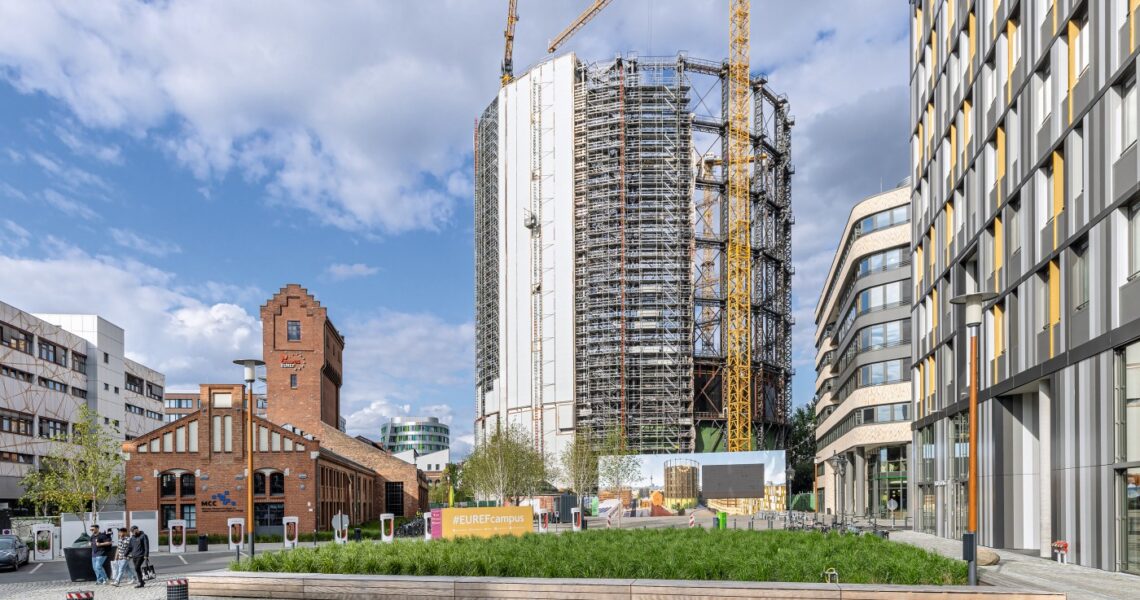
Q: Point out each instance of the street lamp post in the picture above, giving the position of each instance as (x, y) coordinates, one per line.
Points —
(839, 468)
(250, 365)
(973, 303)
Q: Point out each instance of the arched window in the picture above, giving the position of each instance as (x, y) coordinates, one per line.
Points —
(277, 484)
(259, 484)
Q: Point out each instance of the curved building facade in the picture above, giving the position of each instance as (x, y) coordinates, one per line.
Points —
(862, 340)
(422, 434)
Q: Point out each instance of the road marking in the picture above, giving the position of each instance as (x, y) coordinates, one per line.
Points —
(36, 568)
(183, 559)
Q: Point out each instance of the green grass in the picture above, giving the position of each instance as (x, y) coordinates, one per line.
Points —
(633, 554)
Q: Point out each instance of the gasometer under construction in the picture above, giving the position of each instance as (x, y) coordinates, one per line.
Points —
(601, 223)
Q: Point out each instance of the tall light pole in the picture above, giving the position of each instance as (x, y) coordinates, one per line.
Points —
(838, 467)
(789, 474)
(973, 303)
(250, 365)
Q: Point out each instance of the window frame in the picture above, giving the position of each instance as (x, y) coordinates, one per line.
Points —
(292, 331)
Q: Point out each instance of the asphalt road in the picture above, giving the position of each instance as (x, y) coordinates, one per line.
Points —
(164, 564)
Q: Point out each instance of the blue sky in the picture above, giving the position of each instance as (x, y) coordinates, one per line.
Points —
(169, 165)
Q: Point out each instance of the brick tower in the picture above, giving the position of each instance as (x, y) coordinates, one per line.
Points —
(303, 360)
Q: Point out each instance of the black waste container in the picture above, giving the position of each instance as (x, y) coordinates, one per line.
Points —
(357, 534)
(79, 564)
(203, 543)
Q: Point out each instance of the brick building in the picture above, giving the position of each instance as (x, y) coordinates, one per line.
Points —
(304, 464)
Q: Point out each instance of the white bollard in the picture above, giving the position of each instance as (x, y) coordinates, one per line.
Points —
(291, 533)
(609, 521)
(236, 528)
(427, 526)
(692, 520)
(387, 527)
(576, 516)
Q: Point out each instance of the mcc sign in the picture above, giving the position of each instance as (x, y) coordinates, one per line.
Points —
(481, 522)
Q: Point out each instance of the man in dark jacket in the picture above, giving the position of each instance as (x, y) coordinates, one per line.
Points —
(138, 551)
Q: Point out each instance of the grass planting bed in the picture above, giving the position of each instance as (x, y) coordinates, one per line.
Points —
(698, 554)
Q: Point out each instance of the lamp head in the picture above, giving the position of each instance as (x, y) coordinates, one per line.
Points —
(250, 365)
(973, 303)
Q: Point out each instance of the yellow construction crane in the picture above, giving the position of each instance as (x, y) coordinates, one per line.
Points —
(738, 259)
(509, 49)
(573, 28)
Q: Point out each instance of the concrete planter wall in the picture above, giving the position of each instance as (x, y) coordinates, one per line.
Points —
(225, 584)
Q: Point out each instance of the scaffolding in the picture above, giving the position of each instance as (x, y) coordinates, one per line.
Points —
(650, 245)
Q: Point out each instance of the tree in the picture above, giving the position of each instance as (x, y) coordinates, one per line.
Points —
(801, 447)
(579, 466)
(449, 488)
(86, 472)
(505, 466)
(618, 466)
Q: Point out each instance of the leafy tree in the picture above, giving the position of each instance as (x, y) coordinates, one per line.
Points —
(450, 487)
(618, 466)
(85, 473)
(505, 467)
(801, 447)
(579, 466)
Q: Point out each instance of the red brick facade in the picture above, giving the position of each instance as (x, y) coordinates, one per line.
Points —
(304, 466)
(302, 375)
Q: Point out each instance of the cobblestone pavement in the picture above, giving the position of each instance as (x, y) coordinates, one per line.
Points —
(57, 590)
(1035, 573)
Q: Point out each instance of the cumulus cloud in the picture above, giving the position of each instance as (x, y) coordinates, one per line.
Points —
(133, 241)
(189, 340)
(401, 364)
(340, 271)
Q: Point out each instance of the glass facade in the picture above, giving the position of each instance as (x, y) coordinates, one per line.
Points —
(887, 470)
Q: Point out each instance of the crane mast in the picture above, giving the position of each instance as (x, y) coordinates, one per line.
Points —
(738, 322)
(509, 47)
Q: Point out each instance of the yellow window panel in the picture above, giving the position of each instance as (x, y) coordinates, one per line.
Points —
(1010, 37)
(1058, 191)
(999, 329)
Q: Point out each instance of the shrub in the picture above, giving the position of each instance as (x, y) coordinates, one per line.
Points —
(698, 554)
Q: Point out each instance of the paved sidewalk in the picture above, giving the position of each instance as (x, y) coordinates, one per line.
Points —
(57, 590)
(1034, 573)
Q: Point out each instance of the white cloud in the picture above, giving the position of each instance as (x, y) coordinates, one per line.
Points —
(13, 238)
(69, 177)
(68, 206)
(133, 241)
(340, 271)
(69, 133)
(188, 340)
(400, 364)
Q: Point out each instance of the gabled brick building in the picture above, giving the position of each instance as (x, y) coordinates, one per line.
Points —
(304, 465)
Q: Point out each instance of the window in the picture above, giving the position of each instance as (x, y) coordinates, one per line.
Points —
(116, 389)
(294, 331)
(168, 514)
(52, 429)
(190, 515)
(1013, 226)
(16, 457)
(134, 410)
(1127, 116)
(1080, 274)
(168, 485)
(78, 392)
(134, 384)
(1043, 299)
(276, 484)
(268, 514)
(1128, 449)
(78, 362)
(186, 485)
(259, 484)
(150, 414)
(17, 374)
(153, 391)
(1080, 45)
(394, 497)
(1133, 241)
(293, 380)
(15, 422)
(51, 384)
(106, 358)
(223, 400)
(52, 353)
(17, 339)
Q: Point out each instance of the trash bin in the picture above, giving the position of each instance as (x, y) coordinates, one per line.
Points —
(177, 589)
(722, 520)
(203, 543)
(357, 534)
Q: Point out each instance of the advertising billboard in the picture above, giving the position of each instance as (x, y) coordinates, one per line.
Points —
(669, 484)
(481, 522)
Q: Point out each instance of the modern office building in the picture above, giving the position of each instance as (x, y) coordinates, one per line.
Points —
(600, 256)
(50, 365)
(422, 434)
(862, 387)
(1025, 169)
(431, 464)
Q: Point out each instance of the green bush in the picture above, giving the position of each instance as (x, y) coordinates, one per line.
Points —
(700, 554)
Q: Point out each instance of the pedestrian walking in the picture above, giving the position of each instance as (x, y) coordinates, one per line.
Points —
(119, 566)
(101, 548)
(139, 552)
